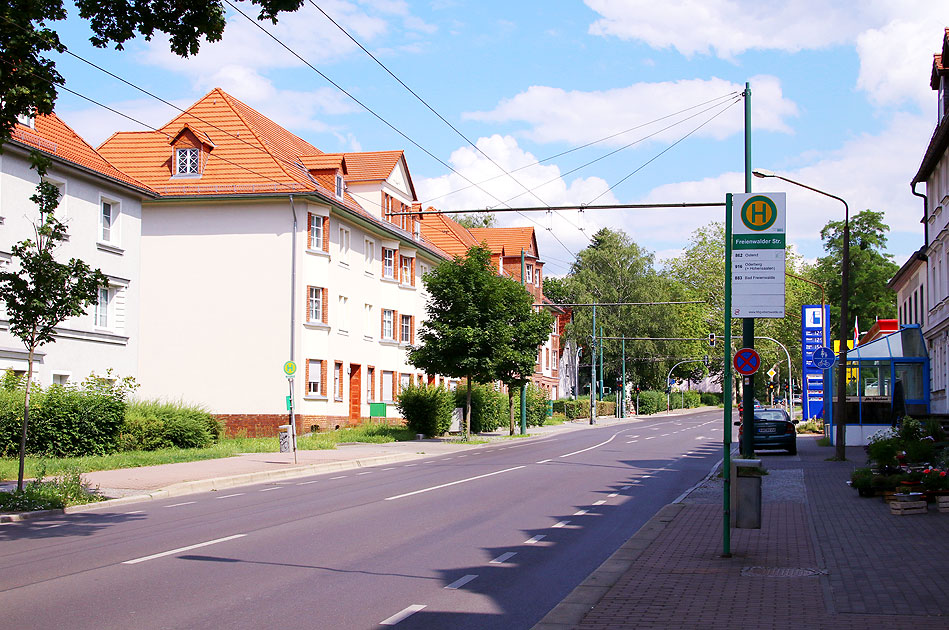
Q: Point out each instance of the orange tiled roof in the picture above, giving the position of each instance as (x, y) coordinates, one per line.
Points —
(446, 234)
(372, 166)
(55, 138)
(507, 241)
(325, 161)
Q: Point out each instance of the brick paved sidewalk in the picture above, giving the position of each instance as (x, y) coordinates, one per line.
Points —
(824, 558)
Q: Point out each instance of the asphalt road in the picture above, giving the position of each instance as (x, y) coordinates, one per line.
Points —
(490, 538)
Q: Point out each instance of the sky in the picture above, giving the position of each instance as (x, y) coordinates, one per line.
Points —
(574, 102)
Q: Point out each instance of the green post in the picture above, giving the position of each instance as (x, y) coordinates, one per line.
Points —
(593, 371)
(727, 385)
(523, 387)
(622, 385)
(600, 393)
(747, 446)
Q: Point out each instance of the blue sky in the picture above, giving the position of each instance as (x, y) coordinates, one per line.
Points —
(840, 101)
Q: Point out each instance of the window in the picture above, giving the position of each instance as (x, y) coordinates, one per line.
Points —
(339, 185)
(371, 383)
(406, 329)
(338, 381)
(344, 246)
(547, 358)
(370, 252)
(102, 308)
(537, 278)
(107, 218)
(388, 263)
(314, 377)
(343, 314)
(417, 230)
(387, 323)
(316, 232)
(187, 161)
(405, 264)
(387, 386)
(405, 380)
(529, 277)
(316, 300)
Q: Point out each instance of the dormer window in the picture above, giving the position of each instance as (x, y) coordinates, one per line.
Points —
(339, 186)
(187, 161)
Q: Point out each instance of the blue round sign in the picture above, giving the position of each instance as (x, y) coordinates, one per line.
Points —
(747, 361)
(823, 358)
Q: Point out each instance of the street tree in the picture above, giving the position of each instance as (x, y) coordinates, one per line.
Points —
(40, 292)
(871, 268)
(465, 306)
(477, 220)
(28, 76)
(517, 341)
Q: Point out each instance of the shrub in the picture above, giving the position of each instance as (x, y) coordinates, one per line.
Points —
(154, 424)
(650, 402)
(711, 399)
(571, 409)
(810, 426)
(536, 405)
(861, 479)
(427, 409)
(488, 407)
(61, 491)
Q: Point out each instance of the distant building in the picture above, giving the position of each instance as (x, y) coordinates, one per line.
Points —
(101, 207)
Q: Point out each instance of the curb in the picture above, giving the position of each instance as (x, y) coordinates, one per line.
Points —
(569, 613)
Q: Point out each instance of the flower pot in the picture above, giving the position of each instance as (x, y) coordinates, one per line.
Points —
(909, 496)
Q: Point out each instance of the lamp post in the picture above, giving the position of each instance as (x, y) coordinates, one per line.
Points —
(840, 408)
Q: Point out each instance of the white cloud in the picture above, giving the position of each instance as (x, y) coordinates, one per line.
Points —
(95, 124)
(576, 117)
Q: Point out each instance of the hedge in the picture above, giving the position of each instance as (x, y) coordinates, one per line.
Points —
(536, 405)
(154, 424)
(488, 407)
(427, 409)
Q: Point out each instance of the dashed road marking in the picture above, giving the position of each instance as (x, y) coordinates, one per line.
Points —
(453, 483)
(269, 489)
(460, 582)
(504, 557)
(544, 461)
(535, 539)
(340, 477)
(600, 502)
(180, 504)
(560, 524)
(368, 472)
(402, 615)
(615, 494)
(236, 494)
(180, 549)
(580, 512)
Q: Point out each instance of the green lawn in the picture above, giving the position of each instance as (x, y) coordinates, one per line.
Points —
(376, 434)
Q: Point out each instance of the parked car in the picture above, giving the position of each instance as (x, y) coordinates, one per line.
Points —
(774, 429)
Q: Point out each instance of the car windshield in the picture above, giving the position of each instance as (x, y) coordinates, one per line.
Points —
(770, 415)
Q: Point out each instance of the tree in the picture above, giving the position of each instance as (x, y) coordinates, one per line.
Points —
(28, 78)
(477, 220)
(516, 346)
(555, 290)
(43, 292)
(870, 269)
(464, 321)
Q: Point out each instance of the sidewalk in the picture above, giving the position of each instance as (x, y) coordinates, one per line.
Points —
(824, 558)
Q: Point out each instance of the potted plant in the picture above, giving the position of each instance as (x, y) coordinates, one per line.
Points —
(862, 480)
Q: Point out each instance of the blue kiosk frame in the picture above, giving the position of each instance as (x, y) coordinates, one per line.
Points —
(880, 374)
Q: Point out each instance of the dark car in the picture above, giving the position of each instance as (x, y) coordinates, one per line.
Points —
(773, 429)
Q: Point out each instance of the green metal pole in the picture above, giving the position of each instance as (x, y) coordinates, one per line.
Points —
(748, 323)
(600, 393)
(593, 371)
(727, 385)
(523, 387)
(622, 384)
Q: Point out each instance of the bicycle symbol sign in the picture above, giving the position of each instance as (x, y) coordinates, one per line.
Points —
(747, 361)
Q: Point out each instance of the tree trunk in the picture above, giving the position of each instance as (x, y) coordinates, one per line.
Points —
(26, 420)
(467, 428)
(510, 405)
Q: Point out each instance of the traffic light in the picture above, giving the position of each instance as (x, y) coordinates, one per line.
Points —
(711, 339)
(706, 360)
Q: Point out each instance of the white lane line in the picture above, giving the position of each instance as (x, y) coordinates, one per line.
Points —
(600, 502)
(340, 477)
(385, 469)
(632, 441)
(429, 462)
(544, 461)
(615, 494)
(269, 489)
(52, 526)
(368, 472)
(665, 435)
(228, 496)
(453, 483)
(560, 524)
(401, 616)
(651, 437)
(580, 512)
(179, 504)
(306, 483)
(180, 549)
(444, 459)
(535, 539)
(134, 512)
(504, 557)
(701, 437)
(410, 465)
(460, 582)
(594, 446)
(625, 487)
(460, 456)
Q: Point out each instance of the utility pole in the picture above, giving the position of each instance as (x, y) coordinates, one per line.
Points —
(593, 371)
(524, 386)
(600, 393)
(748, 323)
(622, 386)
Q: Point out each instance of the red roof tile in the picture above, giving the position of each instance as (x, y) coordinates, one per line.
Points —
(507, 241)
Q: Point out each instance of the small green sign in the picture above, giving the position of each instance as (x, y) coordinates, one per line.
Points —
(289, 368)
(289, 404)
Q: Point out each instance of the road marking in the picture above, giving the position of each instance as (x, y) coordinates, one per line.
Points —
(665, 435)
(625, 487)
(453, 483)
(401, 616)
(504, 557)
(651, 437)
(460, 582)
(560, 524)
(410, 465)
(615, 494)
(306, 483)
(544, 461)
(228, 496)
(368, 472)
(594, 446)
(580, 513)
(180, 549)
(179, 504)
(445, 459)
(134, 512)
(52, 526)
(701, 437)
(460, 456)
(535, 539)
(269, 489)
(385, 469)
(600, 502)
(429, 462)
(632, 441)
(340, 477)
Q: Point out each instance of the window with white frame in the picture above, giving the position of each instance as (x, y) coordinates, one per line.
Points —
(316, 231)
(371, 383)
(344, 245)
(387, 323)
(60, 211)
(417, 230)
(314, 304)
(187, 161)
(339, 186)
(529, 278)
(103, 307)
(387, 384)
(343, 314)
(108, 219)
(406, 329)
(314, 380)
(405, 381)
(338, 381)
(370, 322)
(537, 277)
(388, 263)
(406, 269)
(370, 253)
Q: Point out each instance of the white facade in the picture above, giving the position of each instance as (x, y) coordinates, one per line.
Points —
(107, 336)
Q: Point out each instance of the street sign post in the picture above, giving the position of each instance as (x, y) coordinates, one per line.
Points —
(757, 255)
(823, 358)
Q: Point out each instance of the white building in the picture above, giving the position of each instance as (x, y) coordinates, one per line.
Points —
(101, 207)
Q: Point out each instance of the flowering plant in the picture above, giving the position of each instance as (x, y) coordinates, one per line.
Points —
(935, 479)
